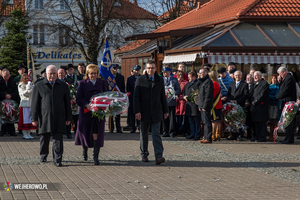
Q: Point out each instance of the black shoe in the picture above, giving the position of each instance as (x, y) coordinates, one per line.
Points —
(261, 140)
(253, 139)
(298, 137)
(173, 135)
(160, 160)
(231, 138)
(119, 132)
(84, 153)
(13, 134)
(165, 135)
(43, 159)
(196, 138)
(1, 134)
(189, 137)
(240, 138)
(287, 142)
(58, 164)
(96, 155)
(282, 141)
(69, 136)
(132, 131)
(145, 159)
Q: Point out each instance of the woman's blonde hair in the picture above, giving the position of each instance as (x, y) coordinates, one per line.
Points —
(91, 68)
(213, 76)
(22, 80)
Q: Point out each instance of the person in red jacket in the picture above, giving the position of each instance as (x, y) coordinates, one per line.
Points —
(217, 107)
(181, 67)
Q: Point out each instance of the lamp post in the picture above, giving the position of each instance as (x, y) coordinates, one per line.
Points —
(28, 37)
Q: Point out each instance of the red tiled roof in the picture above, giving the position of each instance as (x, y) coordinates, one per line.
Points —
(131, 46)
(129, 10)
(218, 11)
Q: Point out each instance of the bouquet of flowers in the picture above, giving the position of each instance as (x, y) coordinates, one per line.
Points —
(194, 96)
(170, 93)
(108, 103)
(287, 115)
(9, 111)
(234, 115)
(74, 106)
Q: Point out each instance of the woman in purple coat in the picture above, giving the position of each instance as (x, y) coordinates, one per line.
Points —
(90, 131)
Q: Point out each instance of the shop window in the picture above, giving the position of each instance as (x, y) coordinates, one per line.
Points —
(39, 34)
(38, 4)
(163, 45)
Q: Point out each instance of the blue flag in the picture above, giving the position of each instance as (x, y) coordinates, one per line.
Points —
(106, 68)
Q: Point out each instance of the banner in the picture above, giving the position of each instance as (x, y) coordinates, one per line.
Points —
(31, 68)
(106, 68)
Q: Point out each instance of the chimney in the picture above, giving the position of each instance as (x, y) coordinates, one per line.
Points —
(135, 2)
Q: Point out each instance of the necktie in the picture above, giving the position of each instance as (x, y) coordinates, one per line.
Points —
(237, 84)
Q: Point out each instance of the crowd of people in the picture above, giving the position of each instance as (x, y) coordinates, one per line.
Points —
(195, 112)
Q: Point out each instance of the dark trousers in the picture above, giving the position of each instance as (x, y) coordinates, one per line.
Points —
(156, 139)
(250, 126)
(206, 119)
(57, 147)
(290, 131)
(132, 122)
(118, 123)
(195, 125)
(8, 128)
(169, 123)
(260, 130)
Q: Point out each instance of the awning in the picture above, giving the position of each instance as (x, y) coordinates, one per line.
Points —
(258, 58)
(183, 58)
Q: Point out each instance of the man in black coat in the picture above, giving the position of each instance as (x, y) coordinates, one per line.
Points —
(249, 124)
(191, 108)
(150, 106)
(51, 112)
(287, 92)
(130, 85)
(8, 90)
(259, 107)
(205, 103)
(238, 92)
(70, 74)
(121, 85)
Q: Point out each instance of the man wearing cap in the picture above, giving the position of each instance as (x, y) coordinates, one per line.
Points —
(231, 66)
(43, 75)
(121, 85)
(169, 123)
(150, 106)
(225, 81)
(130, 85)
(207, 66)
(21, 70)
(71, 75)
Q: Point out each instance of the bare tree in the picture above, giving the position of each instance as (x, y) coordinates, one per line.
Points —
(84, 24)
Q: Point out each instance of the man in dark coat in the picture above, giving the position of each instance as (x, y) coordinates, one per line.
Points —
(21, 70)
(150, 106)
(70, 74)
(51, 112)
(121, 85)
(8, 90)
(249, 124)
(81, 71)
(130, 85)
(191, 108)
(287, 92)
(205, 103)
(238, 92)
(259, 107)
(169, 123)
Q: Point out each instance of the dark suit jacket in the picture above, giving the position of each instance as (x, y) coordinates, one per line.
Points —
(11, 88)
(287, 90)
(120, 82)
(130, 84)
(260, 97)
(239, 94)
(150, 99)
(51, 106)
(206, 93)
(191, 109)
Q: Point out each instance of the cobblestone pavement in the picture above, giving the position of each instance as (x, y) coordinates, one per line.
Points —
(222, 170)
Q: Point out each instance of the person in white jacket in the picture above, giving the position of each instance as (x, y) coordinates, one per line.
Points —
(25, 89)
